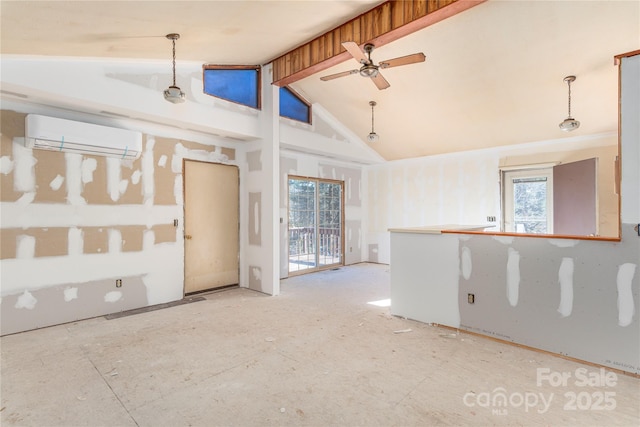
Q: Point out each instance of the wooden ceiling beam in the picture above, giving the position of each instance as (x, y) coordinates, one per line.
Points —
(383, 24)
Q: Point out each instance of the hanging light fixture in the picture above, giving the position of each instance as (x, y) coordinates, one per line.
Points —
(569, 123)
(373, 136)
(173, 93)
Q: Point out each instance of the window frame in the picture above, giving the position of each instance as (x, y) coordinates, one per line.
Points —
(301, 99)
(256, 68)
(507, 176)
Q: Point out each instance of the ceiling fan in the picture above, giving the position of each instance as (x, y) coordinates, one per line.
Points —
(369, 68)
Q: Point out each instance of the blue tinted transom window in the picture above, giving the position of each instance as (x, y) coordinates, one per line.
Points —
(293, 106)
(239, 84)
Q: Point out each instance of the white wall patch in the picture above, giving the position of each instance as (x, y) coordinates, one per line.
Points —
(115, 241)
(466, 262)
(113, 296)
(626, 306)
(565, 278)
(25, 246)
(26, 300)
(135, 177)
(257, 273)
(75, 242)
(56, 182)
(88, 167)
(75, 177)
(6, 165)
(513, 276)
(505, 240)
(563, 243)
(70, 294)
(162, 161)
(24, 174)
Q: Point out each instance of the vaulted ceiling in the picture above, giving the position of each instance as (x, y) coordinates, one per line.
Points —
(493, 74)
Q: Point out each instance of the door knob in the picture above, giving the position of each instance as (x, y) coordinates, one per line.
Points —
(188, 236)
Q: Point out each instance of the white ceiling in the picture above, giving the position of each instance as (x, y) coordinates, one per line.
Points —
(493, 74)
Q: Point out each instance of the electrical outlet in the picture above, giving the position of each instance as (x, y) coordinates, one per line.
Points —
(118, 283)
(471, 298)
(491, 219)
(175, 222)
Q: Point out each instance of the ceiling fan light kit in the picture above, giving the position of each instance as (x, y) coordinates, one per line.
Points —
(173, 93)
(569, 123)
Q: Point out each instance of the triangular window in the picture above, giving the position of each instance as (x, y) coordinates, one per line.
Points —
(235, 83)
(293, 106)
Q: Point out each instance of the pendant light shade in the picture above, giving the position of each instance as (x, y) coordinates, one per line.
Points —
(373, 136)
(569, 123)
(173, 93)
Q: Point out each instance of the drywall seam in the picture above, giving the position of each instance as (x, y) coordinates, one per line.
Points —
(157, 266)
(16, 215)
(25, 246)
(24, 175)
(148, 184)
(626, 306)
(465, 262)
(56, 182)
(565, 278)
(76, 172)
(513, 276)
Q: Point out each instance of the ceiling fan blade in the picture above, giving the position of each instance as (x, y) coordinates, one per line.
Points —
(380, 81)
(335, 76)
(356, 52)
(403, 60)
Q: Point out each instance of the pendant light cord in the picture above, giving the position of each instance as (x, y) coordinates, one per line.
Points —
(569, 103)
(174, 61)
(372, 105)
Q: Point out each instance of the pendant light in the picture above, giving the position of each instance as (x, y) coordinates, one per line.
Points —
(173, 94)
(569, 123)
(373, 136)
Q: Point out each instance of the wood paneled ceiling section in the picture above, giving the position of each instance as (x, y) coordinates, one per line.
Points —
(383, 24)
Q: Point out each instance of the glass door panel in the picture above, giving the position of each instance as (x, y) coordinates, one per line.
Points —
(315, 224)
(302, 225)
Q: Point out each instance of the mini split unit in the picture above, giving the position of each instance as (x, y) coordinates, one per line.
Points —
(49, 133)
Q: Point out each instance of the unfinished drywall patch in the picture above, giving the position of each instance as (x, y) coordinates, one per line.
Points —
(254, 160)
(113, 296)
(565, 278)
(465, 262)
(164, 233)
(513, 277)
(56, 182)
(69, 302)
(26, 300)
(74, 175)
(12, 126)
(25, 246)
(626, 306)
(95, 240)
(255, 277)
(255, 212)
(115, 241)
(75, 238)
(132, 236)
(49, 166)
(373, 252)
(229, 153)
(70, 293)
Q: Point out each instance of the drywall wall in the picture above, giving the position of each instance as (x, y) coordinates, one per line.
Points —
(464, 188)
(73, 224)
(298, 164)
(578, 298)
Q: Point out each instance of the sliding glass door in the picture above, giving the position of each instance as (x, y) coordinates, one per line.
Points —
(315, 224)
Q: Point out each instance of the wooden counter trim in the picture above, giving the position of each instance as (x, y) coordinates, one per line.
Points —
(538, 236)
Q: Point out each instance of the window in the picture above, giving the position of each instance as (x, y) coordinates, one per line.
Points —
(235, 83)
(293, 106)
(528, 201)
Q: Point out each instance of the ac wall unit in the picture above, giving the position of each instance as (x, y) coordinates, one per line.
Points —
(50, 133)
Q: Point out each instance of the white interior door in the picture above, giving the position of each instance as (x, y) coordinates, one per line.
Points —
(211, 226)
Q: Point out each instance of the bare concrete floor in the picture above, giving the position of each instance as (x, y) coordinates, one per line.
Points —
(317, 355)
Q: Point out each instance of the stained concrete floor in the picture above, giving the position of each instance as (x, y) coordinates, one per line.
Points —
(317, 355)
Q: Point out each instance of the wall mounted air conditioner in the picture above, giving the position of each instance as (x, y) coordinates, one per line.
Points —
(50, 133)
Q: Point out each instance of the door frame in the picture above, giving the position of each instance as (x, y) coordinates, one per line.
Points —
(342, 225)
(184, 224)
